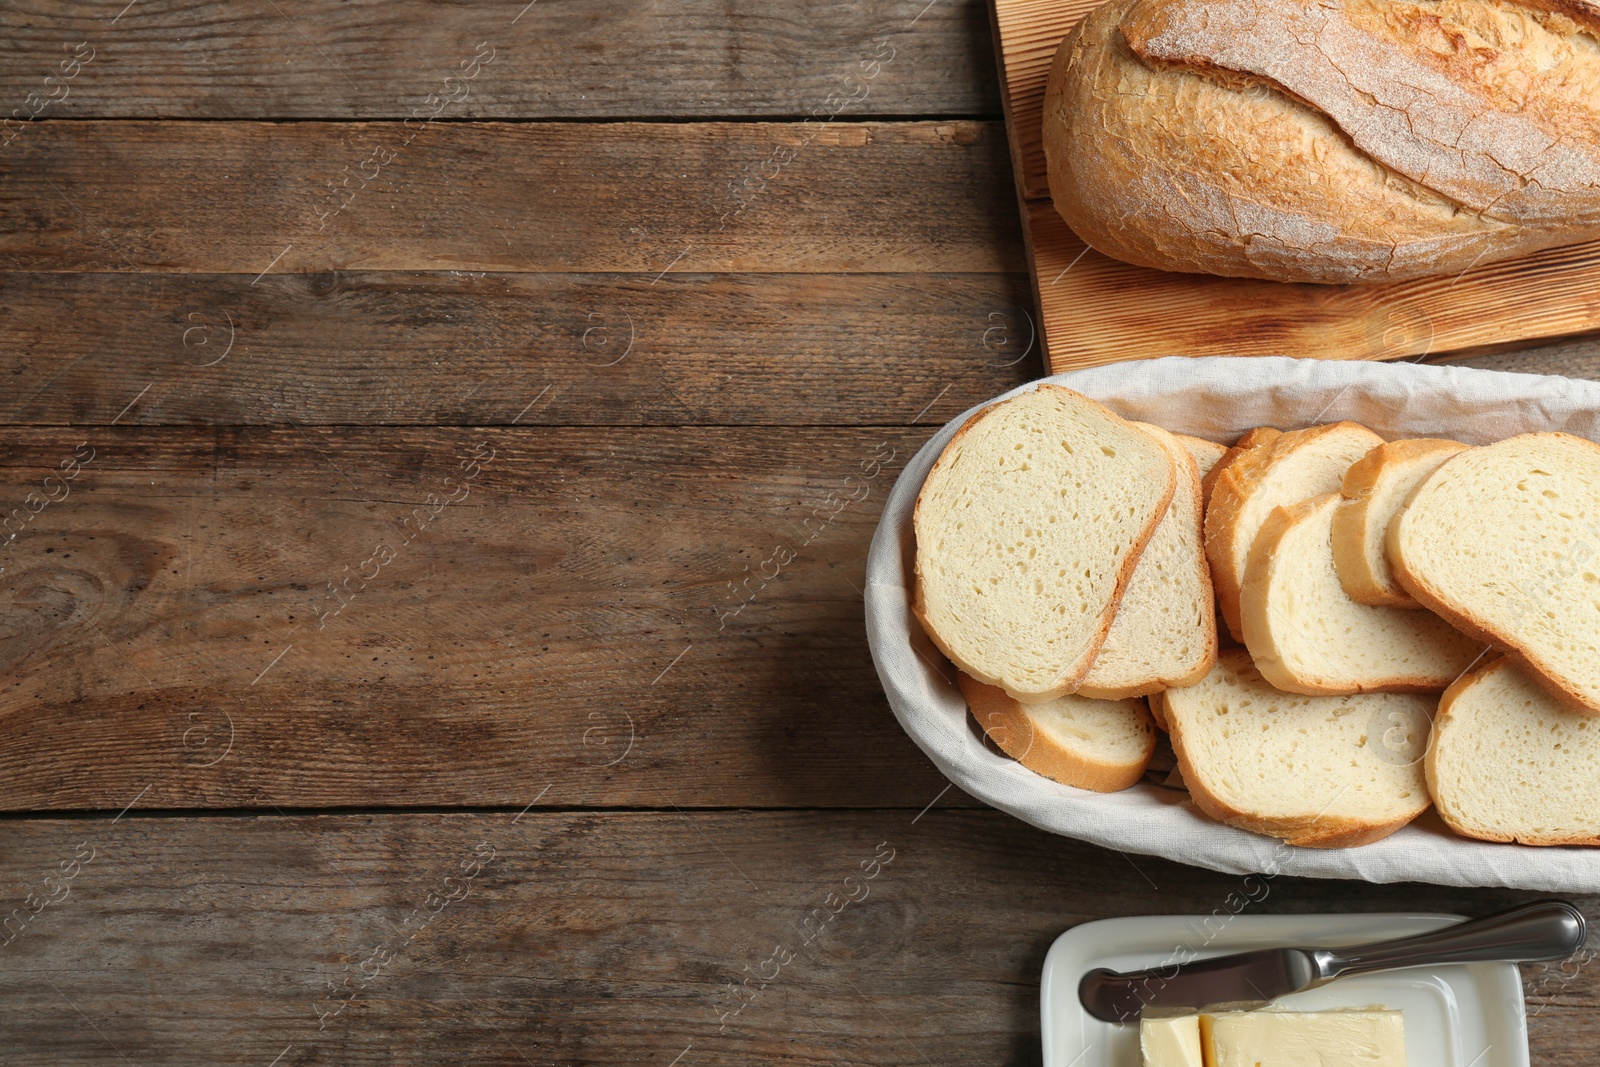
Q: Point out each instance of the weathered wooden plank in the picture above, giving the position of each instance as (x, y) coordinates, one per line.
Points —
(255, 198)
(314, 597)
(385, 617)
(1028, 33)
(1573, 357)
(593, 938)
(442, 348)
(683, 59)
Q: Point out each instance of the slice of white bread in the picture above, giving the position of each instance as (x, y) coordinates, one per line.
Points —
(1509, 762)
(1375, 487)
(1158, 708)
(1028, 529)
(1103, 745)
(1255, 438)
(1322, 772)
(1206, 454)
(1308, 636)
(1503, 541)
(1165, 629)
(1289, 468)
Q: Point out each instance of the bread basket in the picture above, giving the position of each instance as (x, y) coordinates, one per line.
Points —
(1219, 398)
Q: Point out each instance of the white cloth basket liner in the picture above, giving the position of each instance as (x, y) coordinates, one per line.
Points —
(1219, 398)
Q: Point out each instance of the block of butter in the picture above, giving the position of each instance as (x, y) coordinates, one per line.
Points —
(1172, 1041)
(1359, 1038)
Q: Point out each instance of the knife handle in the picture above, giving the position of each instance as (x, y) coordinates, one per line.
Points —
(1546, 930)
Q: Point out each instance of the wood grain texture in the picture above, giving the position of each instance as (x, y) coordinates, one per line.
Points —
(607, 615)
(446, 348)
(1103, 310)
(1573, 357)
(310, 617)
(595, 938)
(1094, 309)
(680, 59)
(249, 198)
(1028, 34)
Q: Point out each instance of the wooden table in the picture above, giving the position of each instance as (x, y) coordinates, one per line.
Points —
(399, 664)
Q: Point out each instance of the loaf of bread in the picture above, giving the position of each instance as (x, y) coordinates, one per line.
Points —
(1102, 745)
(1337, 141)
(1502, 541)
(1313, 771)
(1028, 529)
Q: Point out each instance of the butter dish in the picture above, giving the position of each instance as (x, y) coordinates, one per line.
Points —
(1456, 1015)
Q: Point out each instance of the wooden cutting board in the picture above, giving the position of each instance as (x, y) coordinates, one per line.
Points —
(1096, 309)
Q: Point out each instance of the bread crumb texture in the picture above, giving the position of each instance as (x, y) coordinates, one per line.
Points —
(1112, 731)
(1504, 541)
(1286, 469)
(1313, 770)
(1027, 529)
(1510, 763)
(1307, 635)
(1165, 630)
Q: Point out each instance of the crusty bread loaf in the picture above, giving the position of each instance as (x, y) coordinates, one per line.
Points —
(1103, 745)
(1509, 763)
(1341, 141)
(1375, 487)
(1313, 771)
(1028, 528)
(1502, 541)
(1165, 629)
(1308, 636)
(1285, 470)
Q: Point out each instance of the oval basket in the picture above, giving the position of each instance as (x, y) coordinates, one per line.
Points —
(1219, 398)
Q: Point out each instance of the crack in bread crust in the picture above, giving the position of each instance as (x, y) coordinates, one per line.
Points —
(1259, 138)
(1427, 96)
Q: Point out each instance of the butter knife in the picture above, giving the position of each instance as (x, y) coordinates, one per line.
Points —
(1547, 930)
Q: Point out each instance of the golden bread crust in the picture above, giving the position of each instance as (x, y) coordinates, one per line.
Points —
(1344, 141)
(1231, 493)
(1350, 522)
(1008, 726)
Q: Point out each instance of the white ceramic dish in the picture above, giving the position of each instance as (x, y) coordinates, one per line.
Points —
(1220, 398)
(1460, 1015)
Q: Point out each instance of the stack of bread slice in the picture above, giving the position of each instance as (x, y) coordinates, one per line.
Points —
(1059, 567)
(1072, 564)
(1504, 541)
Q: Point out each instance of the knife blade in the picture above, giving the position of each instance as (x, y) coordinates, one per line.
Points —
(1546, 930)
